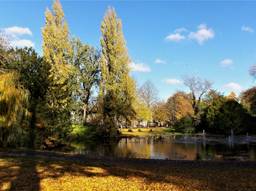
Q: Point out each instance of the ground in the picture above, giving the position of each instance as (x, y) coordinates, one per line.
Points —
(33, 173)
(146, 131)
(84, 133)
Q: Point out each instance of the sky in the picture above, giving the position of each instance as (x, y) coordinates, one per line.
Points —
(166, 40)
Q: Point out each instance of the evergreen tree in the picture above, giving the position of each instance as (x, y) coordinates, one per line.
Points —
(117, 87)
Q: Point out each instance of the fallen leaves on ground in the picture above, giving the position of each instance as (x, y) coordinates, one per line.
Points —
(52, 175)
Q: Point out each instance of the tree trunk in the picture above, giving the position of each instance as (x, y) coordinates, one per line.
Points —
(85, 107)
(84, 114)
(2, 136)
(32, 125)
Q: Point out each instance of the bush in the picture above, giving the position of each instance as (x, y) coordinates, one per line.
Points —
(184, 125)
(226, 115)
(130, 130)
(170, 130)
(189, 130)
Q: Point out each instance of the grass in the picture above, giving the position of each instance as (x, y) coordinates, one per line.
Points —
(147, 131)
(80, 132)
(34, 174)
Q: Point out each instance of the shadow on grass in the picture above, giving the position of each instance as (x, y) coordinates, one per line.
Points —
(16, 175)
(184, 175)
(27, 177)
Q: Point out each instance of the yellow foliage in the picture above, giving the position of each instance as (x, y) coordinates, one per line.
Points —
(142, 111)
(57, 52)
(13, 99)
(57, 48)
(117, 87)
(128, 175)
(232, 96)
(179, 106)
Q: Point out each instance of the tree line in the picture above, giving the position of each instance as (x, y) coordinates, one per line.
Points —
(206, 109)
(72, 83)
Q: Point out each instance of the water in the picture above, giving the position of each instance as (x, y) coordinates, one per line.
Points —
(176, 148)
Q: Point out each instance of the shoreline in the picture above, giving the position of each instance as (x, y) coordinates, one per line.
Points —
(73, 157)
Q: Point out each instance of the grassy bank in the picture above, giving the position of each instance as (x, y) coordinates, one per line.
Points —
(147, 131)
(114, 175)
(86, 132)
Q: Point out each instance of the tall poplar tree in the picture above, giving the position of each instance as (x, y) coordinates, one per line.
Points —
(57, 52)
(117, 87)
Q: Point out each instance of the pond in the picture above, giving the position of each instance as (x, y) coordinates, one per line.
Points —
(242, 148)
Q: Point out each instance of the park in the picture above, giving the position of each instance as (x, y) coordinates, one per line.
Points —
(81, 113)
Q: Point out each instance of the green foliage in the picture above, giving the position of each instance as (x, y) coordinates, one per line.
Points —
(86, 60)
(184, 125)
(34, 76)
(79, 132)
(34, 73)
(222, 114)
(142, 111)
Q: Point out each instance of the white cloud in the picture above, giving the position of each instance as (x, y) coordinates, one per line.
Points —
(226, 62)
(15, 35)
(17, 31)
(202, 34)
(180, 30)
(247, 29)
(175, 37)
(21, 43)
(139, 67)
(173, 81)
(232, 86)
(160, 61)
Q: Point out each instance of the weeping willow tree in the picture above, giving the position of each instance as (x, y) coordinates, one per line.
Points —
(13, 104)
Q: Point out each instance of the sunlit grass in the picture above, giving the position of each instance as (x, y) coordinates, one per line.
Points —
(38, 174)
(147, 131)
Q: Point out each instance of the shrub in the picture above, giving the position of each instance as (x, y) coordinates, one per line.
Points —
(184, 125)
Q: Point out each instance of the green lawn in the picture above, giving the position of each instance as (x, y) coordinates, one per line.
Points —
(33, 174)
(147, 131)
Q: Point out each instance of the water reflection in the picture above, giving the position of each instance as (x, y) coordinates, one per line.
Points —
(176, 148)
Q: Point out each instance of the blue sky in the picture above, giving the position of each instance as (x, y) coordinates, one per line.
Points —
(166, 40)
